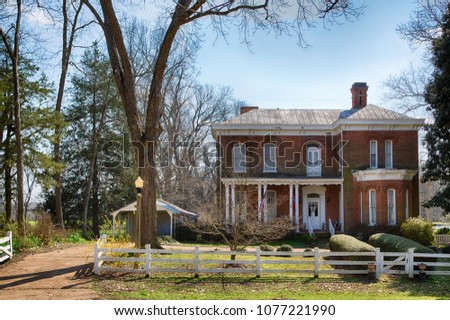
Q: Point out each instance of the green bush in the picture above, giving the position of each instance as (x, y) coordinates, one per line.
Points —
(266, 247)
(285, 247)
(418, 230)
(444, 230)
(392, 243)
(346, 243)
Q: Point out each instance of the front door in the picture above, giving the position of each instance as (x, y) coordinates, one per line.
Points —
(314, 213)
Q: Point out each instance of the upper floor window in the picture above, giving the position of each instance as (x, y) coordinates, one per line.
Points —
(239, 158)
(372, 207)
(388, 154)
(313, 161)
(373, 154)
(270, 157)
(391, 207)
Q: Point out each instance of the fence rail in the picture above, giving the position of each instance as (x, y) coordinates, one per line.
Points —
(442, 239)
(147, 261)
(6, 247)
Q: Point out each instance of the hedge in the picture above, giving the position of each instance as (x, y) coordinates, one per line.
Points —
(391, 243)
(346, 243)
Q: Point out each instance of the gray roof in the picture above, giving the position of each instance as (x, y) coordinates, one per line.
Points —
(161, 205)
(313, 116)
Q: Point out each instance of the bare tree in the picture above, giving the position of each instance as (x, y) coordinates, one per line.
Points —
(245, 230)
(247, 15)
(406, 90)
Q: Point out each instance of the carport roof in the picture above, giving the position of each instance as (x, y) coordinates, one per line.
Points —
(161, 205)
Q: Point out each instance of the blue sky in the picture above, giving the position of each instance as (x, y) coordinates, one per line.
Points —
(277, 73)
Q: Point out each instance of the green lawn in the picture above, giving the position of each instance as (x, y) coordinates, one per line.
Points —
(217, 287)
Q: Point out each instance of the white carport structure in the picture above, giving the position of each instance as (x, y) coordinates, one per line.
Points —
(168, 217)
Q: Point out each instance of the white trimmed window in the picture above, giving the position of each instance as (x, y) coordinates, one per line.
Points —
(388, 159)
(392, 216)
(271, 205)
(373, 154)
(313, 162)
(372, 207)
(270, 157)
(239, 158)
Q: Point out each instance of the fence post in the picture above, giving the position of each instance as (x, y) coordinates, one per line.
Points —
(379, 263)
(9, 235)
(147, 260)
(410, 256)
(258, 262)
(196, 262)
(316, 262)
(96, 258)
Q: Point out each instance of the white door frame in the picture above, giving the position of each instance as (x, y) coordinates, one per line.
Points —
(320, 190)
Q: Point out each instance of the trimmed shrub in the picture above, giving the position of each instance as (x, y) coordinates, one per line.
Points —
(418, 230)
(266, 247)
(392, 243)
(285, 247)
(444, 230)
(346, 243)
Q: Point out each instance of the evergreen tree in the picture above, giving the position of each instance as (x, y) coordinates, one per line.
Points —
(437, 95)
(93, 184)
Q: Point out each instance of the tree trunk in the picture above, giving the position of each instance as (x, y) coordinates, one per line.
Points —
(8, 174)
(149, 210)
(18, 125)
(87, 196)
(8, 194)
(95, 200)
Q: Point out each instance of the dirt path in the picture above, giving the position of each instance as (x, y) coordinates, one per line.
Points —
(61, 274)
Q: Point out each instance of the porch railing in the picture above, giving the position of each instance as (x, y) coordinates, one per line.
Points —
(310, 227)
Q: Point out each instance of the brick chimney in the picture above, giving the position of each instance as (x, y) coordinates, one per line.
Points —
(359, 95)
(247, 109)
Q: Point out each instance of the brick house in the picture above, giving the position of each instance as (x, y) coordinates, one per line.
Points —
(321, 168)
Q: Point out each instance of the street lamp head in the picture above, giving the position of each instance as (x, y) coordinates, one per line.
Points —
(139, 184)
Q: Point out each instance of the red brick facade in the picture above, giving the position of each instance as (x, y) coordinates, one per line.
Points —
(336, 190)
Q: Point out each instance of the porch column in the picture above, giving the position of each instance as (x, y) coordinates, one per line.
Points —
(291, 202)
(233, 203)
(341, 207)
(297, 218)
(227, 204)
(265, 203)
(259, 203)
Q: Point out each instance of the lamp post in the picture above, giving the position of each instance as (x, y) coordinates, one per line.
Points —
(139, 184)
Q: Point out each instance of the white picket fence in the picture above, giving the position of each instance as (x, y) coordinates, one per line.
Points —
(147, 261)
(442, 239)
(6, 247)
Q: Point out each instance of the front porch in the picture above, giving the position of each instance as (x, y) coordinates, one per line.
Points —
(310, 204)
